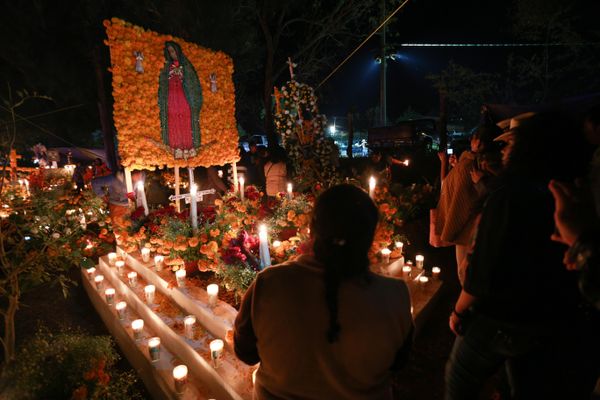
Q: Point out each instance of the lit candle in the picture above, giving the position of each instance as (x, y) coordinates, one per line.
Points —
(146, 254)
(419, 259)
(406, 271)
(290, 193)
(220, 173)
(254, 376)
(399, 246)
(276, 244)
(242, 181)
(149, 292)
(180, 373)
(423, 279)
(406, 162)
(194, 206)
(90, 272)
(216, 351)
(137, 325)
(265, 257)
(188, 326)
(435, 272)
(385, 255)
(120, 264)
(158, 262)
(154, 348)
(112, 258)
(372, 183)
(109, 294)
(99, 280)
(235, 177)
(213, 292)
(26, 181)
(132, 277)
(180, 277)
(121, 307)
(142, 196)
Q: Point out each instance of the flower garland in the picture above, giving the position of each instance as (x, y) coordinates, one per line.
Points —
(298, 122)
(136, 111)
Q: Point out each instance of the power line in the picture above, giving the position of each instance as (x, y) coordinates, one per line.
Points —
(362, 44)
(492, 44)
(49, 112)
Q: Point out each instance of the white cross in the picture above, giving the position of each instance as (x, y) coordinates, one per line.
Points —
(199, 195)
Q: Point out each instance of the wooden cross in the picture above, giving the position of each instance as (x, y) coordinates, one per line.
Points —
(291, 66)
(13, 158)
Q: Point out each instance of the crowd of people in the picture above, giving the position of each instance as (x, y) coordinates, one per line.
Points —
(324, 326)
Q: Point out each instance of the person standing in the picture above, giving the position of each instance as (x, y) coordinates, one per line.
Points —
(275, 170)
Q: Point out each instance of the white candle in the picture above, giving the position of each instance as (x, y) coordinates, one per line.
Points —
(216, 351)
(423, 279)
(254, 376)
(142, 196)
(90, 272)
(242, 181)
(194, 206)
(26, 181)
(188, 325)
(372, 183)
(419, 259)
(180, 373)
(235, 177)
(99, 280)
(132, 277)
(137, 325)
(265, 256)
(149, 292)
(435, 272)
(276, 244)
(399, 246)
(121, 307)
(109, 294)
(406, 271)
(158, 262)
(385, 255)
(290, 193)
(145, 254)
(213, 293)
(180, 277)
(112, 258)
(119, 264)
(154, 348)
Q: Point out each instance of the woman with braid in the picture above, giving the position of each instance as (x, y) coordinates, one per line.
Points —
(323, 326)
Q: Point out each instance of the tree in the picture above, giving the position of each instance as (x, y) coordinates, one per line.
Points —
(466, 90)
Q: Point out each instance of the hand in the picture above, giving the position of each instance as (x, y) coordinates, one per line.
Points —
(452, 160)
(571, 214)
(442, 156)
(455, 324)
(476, 175)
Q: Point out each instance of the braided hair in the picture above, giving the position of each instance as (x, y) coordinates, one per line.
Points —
(343, 225)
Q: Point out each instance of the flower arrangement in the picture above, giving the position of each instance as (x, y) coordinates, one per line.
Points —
(298, 122)
(136, 109)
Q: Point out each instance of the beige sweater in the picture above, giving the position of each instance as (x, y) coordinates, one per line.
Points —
(283, 322)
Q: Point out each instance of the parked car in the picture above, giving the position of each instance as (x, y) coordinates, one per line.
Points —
(419, 133)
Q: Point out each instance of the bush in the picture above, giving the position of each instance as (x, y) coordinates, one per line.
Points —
(68, 365)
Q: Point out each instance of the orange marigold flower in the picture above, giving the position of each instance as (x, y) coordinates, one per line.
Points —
(215, 232)
(193, 242)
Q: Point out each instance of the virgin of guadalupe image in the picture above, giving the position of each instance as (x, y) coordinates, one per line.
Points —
(179, 101)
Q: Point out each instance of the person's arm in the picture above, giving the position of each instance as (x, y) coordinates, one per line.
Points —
(460, 312)
(244, 337)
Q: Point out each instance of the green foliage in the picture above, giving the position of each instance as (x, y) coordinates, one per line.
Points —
(236, 278)
(68, 365)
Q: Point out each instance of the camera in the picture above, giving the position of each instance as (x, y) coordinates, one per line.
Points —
(449, 151)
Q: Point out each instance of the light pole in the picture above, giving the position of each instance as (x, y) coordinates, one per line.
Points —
(383, 75)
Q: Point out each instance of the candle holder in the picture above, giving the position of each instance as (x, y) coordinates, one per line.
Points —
(406, 271)
(419, 260)
(290, 193)
(399, 246)
(385, 255)
(109, 294)
(90, 273)
(137, 325)
(99, 281)
(188, 326)
(435, 272)
(158, 262)
(120, 264)
(180, 373)
(154, 349)
(149, 291)
(180, 277)
(146, 254)
(112, 258)
(213, 293)
(121, 308)
(132, 277)
(423, 280)
(216, 352)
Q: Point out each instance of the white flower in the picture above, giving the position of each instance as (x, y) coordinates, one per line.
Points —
(55, 235)
(68, 231)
